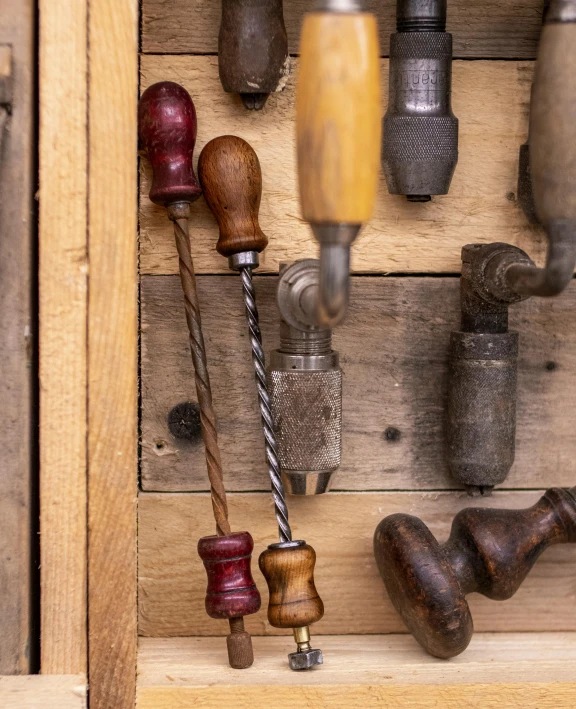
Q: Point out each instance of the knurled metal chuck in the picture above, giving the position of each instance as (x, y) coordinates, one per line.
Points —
(305, 382)
(420, 132)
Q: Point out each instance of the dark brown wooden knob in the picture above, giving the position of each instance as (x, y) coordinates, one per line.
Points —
(489, 551)
(231, 178)
(167, 130)
(289, 573)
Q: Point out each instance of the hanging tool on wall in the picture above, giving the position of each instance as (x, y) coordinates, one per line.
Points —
(338, 138)
(524, 191)
(490, 551)
(167, 130)
(253, 58)
(231, 178)
(484, 354)
(420, 142)
(305, 385)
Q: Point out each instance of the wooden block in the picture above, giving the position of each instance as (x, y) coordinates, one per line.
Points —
(393, 347)
(495, 28)
(491, 101)
(340, 527)
(113, 353)
(187, 666)
(46, 691)
(63, 356)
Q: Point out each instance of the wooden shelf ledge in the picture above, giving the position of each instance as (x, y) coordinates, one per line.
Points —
(528, 670)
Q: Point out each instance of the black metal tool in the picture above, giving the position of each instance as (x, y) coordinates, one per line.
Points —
(253, 58)
(482, 391)
(420, 132)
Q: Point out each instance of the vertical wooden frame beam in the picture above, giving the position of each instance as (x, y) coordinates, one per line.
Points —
(62, 339)
(112, 352)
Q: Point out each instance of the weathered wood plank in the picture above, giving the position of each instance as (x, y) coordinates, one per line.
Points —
(393, 347)
(491, 101)
(63, 305)
(17, 342)
(371, 696)
(491, 29)
(46, 691)
(340, 526)
(113, 348)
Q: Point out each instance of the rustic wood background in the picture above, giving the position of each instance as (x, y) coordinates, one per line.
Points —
(393, 345)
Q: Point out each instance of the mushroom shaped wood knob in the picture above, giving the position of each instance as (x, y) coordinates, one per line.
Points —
(167, 130)
(231, 179)
(490, 551)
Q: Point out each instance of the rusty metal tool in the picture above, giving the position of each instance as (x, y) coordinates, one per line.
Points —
(253, 58)
(490, 551)
(338, 138)
(231, 179)
(167, 128)
(420, 141)
(484, 354)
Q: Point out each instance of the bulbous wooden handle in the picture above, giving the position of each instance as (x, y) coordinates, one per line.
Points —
(167, 130)
(231, 178)
(489, 551)
(289, 573)
(231, 591)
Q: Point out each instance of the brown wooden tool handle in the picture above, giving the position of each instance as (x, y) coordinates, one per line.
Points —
(289, 573)
(229, 171)
(338, 117)
(489, 551)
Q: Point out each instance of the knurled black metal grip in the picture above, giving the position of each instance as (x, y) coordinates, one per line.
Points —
(482, 407)
(420, 144)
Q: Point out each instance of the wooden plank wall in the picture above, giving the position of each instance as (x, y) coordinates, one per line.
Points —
(393, 345)
(18, 476)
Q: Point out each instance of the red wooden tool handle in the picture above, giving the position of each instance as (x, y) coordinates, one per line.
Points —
(167, 129)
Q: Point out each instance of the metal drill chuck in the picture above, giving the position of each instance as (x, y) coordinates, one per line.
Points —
(420, 141)
(305, 382)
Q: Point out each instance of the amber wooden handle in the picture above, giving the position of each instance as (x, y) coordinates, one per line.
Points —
(230, 174)
(289, 573)
(490, 551)
(338, 117)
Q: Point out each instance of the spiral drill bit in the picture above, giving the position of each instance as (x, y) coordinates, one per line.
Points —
(167, 127)
(280, 508)
(230, 174)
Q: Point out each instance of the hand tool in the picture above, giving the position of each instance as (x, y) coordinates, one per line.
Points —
(167, 129)
(231, 178)
(524, 193)
(490, 551)
(482, 387)
(253, 58)
(420, 146)
(338, 138)
(305, 385)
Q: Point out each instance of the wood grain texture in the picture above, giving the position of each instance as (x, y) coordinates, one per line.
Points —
(18, 476)
(491, 101)
(495, 28)
(112, 344)
(338, 120)
(46, 691)
(63, 357)
(394, 348)
(556, 695)
(340, 527)
(386, 660)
